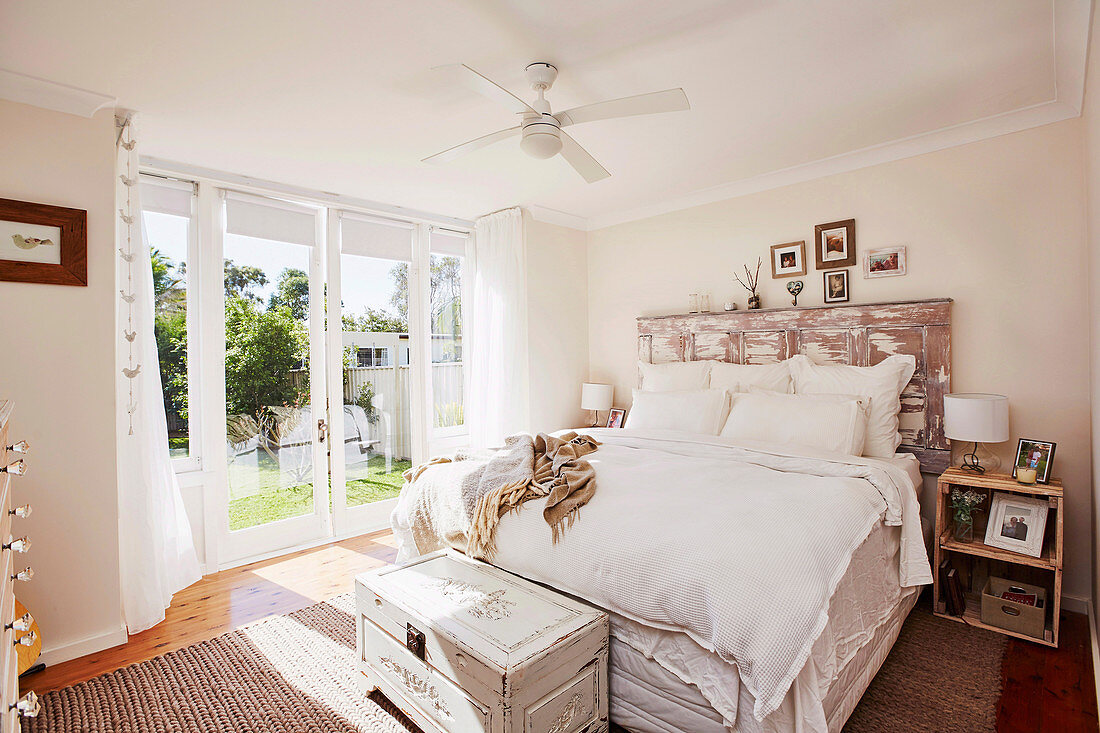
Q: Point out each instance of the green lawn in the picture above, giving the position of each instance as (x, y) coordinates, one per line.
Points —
(282, 502)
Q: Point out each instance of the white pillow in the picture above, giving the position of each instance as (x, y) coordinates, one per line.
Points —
(699, 411)
(675, 376)
(835, 423)
(881, 384)
(745, 377)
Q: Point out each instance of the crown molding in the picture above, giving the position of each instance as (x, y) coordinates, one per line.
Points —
(559, 218)
(31, 90)
(1071, 23)
(1024, 119)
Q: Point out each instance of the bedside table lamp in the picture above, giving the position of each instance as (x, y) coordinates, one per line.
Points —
(974, 417)
(596, 397)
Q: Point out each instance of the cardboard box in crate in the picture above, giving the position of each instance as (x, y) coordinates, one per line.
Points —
(1018, 617)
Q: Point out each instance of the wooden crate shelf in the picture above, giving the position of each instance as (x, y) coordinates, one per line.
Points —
(972, 616)
(981, 560)
(980, 549)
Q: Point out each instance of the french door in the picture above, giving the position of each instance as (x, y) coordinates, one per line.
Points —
(343, 368)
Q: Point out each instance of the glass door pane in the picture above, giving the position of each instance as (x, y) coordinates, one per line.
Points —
(373, 276)
(448, 372)
(277, 482)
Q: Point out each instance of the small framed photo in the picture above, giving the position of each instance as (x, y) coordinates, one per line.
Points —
(788, 260)
(885, 262)
(615, 417)
(835, 244)
(40, 243)
(1017, 523)
(836, 286)
(1037, 454)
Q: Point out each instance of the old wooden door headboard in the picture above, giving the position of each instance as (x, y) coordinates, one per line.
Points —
(860, 335)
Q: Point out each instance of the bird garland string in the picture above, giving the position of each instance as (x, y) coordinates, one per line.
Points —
(131, 370)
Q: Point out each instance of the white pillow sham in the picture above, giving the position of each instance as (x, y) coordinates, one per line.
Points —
(835, 423)
(675, 376)
(746, 377)
(696, 411)
(881, 384)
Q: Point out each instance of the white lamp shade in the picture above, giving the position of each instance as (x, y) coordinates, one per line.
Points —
(597, 396)
(974, 417)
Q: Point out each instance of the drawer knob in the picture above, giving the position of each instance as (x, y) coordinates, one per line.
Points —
(378, 602)
(20, 545)
(20, 447)
(27, 639)
(25, 574)
(21, 511)
(28, 705)
(23, 623)
(461, 659)
(19, 468)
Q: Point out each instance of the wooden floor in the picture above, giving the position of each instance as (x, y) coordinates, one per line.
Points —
(1046, 690)
(230, 599)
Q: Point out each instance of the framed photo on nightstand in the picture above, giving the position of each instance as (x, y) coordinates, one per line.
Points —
(1017, 523)
(615, 417)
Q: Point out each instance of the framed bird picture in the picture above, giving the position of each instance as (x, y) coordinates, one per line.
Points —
(40, 243)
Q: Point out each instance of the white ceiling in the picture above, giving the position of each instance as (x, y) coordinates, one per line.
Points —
(341, 96)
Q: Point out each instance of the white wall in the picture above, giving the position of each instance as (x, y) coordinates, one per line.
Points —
(998, 225)
(1091, 117)
(59, 368)
(557, 307)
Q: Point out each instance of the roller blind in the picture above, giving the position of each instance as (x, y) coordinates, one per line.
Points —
(448, 243)
(166, 197)
(367, 237)
(264, 218)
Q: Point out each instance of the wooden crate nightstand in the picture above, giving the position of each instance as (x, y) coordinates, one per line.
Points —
(978, 560)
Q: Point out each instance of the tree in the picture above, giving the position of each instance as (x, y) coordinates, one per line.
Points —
(262, 348)
(240, 279)
(375, 320)
(169, 293)
(292, 291)
(445, 293)
(170, 331)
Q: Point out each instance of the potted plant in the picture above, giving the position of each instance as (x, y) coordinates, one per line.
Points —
(965, 503)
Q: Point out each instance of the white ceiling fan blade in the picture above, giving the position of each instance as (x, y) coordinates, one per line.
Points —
(487, 87)
(475, 144)
(581, 161)
(670, 100)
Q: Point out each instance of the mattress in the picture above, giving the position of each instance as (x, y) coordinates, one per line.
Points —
(649, 667)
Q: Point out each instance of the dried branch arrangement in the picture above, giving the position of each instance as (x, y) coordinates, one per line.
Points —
(751, 279)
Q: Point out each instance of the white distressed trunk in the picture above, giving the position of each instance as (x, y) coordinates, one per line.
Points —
(498, 653)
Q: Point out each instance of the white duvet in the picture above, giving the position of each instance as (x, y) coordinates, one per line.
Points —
(740, 546)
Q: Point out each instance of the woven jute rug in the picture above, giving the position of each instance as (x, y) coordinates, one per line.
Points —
(296, 673)
(941, 676)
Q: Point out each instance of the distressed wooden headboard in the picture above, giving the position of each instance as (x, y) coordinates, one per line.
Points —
(859, 335)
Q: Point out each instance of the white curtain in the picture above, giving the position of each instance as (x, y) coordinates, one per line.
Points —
(499, 401)
(156, 552)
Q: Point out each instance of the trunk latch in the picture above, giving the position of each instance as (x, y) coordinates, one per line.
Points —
(414, 640)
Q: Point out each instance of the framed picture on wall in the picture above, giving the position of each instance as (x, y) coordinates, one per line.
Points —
(40, 243)
(788, 260)
(835, 244)
(836, 286)
(885, 262)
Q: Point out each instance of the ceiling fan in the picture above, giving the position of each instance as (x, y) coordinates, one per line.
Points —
(541, 132)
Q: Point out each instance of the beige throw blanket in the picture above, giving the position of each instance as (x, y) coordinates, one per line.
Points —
(527, 468)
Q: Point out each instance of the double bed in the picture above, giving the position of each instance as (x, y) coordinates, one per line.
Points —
(753, 585)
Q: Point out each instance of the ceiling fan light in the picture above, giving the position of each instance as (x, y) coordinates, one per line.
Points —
(541, 145)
